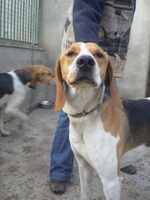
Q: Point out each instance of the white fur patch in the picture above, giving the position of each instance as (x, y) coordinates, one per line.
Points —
(85, 51)
(99, 148)
(14, 100)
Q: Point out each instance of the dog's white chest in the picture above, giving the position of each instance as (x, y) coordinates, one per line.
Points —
(97, 146)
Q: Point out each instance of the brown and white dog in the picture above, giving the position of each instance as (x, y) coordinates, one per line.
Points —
(13, 87)
(102, 130)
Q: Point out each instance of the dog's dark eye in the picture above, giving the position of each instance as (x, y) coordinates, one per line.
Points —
(42, 73)
(99, 55)
(71, 53)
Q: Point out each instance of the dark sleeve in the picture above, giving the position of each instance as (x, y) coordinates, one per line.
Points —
(86, 19)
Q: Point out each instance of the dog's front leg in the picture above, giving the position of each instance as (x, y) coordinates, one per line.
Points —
(13, 109)
(85, 173)
(112, 188)
(3, 132)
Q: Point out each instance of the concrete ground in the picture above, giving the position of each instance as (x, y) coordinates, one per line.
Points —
(24, 165)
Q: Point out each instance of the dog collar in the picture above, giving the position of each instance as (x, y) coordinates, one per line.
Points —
(82, 114)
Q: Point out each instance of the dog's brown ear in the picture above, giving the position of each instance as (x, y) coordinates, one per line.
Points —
(109, 81)
(60, 93)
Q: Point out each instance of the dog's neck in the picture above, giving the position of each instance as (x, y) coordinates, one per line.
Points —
(24, 75)
(83, 99)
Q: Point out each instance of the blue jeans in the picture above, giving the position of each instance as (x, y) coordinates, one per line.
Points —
(62, 156)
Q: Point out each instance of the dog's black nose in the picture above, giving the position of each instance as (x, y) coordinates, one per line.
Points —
(85, 62)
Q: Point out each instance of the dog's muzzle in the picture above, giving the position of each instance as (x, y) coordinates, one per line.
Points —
(85, 62)
(85, 65)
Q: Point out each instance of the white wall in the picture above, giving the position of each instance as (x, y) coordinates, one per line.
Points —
(134, 83)
(53, 15)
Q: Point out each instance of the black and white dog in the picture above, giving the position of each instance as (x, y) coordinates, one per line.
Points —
(13, 87)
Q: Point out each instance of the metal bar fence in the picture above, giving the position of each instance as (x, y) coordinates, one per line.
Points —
(19, 20)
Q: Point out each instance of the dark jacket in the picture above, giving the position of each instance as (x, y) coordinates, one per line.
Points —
(105, 22)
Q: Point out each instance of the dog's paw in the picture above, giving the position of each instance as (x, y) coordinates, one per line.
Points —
(24, 119)
(23, 122)
(5, 133)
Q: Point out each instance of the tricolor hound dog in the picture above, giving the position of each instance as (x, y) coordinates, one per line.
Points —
(13, 87)
(102, 129)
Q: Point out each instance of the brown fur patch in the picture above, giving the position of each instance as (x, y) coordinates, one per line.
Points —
(115, 122)
(112, 118)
